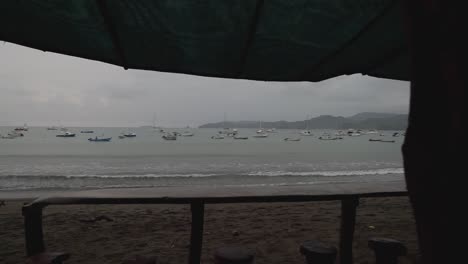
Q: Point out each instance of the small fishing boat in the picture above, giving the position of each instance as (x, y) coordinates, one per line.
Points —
(261, 135)
(354, 134)
(292, 139)
(66, 134)
(129, 134)
(229, 132)
(169, 136)
(24, 128)
(52, 128)
(340, 133)
(240, 137)
(187, 134)
(271, 130)
(98, 139)
(12, 135)
(232, 134)
(86, 131)
(382, 140)
(330, 138)
(217, 136)
(15, 134)
(122, 136)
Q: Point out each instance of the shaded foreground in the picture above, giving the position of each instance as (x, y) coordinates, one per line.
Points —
(273, 230)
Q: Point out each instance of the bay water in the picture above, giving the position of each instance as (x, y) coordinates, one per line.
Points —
(42, 161)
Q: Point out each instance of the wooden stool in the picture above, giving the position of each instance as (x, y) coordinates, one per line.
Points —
(386, 250)
(234, 255)
(317, 252)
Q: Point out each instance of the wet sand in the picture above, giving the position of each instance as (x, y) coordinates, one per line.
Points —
(274, 231)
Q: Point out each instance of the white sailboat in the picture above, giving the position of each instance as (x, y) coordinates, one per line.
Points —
(226, 130)
(306, 131)
(53, 127)
(154, 123)
(260, 132)
(260, 129)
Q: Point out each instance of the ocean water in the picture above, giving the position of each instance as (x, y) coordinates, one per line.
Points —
(42, 161)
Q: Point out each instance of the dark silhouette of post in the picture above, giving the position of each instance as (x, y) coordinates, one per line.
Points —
(33, 231)
(233, 255)
(348, 219)
(387, 250)
(317, 252)
(196, 237)
(434, 172)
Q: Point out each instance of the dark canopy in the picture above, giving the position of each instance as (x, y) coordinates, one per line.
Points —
(281, 40)
(292, 40)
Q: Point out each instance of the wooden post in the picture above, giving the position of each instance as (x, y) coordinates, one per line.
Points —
(348, 219)
(196, 237)
(434, 172)
(33, 230)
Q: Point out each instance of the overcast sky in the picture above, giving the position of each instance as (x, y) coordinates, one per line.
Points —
(43, 88)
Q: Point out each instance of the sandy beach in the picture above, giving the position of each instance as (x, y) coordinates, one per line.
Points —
(275, 231)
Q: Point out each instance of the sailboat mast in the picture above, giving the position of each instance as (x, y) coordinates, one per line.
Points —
(224, 120)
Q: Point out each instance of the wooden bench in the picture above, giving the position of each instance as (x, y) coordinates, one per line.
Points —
(197, 198)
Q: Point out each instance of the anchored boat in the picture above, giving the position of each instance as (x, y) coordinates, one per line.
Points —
(66, 134)
(98, 139)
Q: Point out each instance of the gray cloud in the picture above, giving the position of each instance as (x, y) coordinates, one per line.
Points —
(43, 88)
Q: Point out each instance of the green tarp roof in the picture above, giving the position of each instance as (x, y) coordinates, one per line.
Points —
(280, 40)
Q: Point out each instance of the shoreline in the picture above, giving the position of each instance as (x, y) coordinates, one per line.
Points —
(216, 191)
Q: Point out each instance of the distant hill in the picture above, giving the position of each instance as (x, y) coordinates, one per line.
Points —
(368, 115)
(367, 120)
